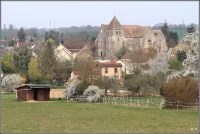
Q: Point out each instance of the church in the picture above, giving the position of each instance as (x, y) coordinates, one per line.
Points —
(113, 36)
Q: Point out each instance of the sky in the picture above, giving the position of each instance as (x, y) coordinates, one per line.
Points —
(39, 14)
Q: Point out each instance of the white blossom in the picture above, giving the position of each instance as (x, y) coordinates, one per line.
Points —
(190, 64)
(11, 81)
(93, 93)
(71, 88)
(159, 64)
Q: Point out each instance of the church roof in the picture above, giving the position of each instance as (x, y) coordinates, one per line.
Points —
(114, 24)
(159, 32)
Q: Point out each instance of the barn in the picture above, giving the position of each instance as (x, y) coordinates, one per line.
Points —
(37, 92)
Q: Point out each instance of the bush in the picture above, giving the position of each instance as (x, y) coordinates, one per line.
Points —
(175, 64)
(183, 89)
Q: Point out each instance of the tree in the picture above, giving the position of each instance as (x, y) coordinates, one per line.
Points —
(11, 27)
(11, 43)
(11, 81)
(31, 40)
(104, 83)
(183, 89)
(62, 41)
(190, 64)
(165, 31)
(181, 56)
(7, 68)
(171, 37)
(159, 64)
(174, 36)
(48, 61)
(33, 71)
(175, 65)
(35, 35)
(191, 28)
(21, 35)
(21, 59)
(123, 50)
(134, 84)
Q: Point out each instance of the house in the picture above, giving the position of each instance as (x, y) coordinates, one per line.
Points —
(22, 44)
(101, 69)
(36, 48)
(110, 69)
(62, 53)
(140, 58)
(92, 74)
(37, 92)
(84, 53)
(113, 36)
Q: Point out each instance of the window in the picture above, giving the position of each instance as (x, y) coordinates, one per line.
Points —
(118, 39)
(106, 70)
(115, 71)
(116, 32)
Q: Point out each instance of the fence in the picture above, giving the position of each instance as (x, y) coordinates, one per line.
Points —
(147, 102)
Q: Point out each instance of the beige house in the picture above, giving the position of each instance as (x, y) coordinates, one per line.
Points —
(62, 53)
(110, 69)
(113, 36)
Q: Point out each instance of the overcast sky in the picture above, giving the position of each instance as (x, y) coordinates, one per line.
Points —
(67, 13)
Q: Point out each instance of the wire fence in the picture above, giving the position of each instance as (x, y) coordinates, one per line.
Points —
(147, 102)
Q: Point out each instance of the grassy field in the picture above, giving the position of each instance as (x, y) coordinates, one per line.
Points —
(62, 116)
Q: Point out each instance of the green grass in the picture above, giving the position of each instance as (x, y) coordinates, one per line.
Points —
(62, 116)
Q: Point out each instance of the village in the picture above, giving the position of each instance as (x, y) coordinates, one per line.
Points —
(122, 68)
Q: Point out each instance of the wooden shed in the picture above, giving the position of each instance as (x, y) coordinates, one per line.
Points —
(37, 92)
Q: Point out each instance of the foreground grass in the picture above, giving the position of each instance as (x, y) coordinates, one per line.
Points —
(62, 116)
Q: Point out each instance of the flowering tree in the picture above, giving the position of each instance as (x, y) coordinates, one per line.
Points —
(71, 88)
(190, 64)
(93, 93)
(159, 64)
(11, 81)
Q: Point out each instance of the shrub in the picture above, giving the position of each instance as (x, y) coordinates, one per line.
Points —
(183, 89)
(175, 64)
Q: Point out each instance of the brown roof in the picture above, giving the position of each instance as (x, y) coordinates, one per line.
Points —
(159, 32)
(22, 44)
(75, 45)
(114, 24)
(109, 64)
(135, 30)
(128, 30)
(126, 56)
(84, 50)
(140, 56)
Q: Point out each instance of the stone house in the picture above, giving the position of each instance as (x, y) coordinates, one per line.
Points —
(113, 36)
(140, 59)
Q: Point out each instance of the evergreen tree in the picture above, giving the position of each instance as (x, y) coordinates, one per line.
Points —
(31, 40)
(48, 61)
(62, 41)
(165, 31)
(21, 35)
(21, 59)
(191, 28)
(181, 55)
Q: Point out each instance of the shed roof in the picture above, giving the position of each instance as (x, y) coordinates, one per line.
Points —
(30, 86)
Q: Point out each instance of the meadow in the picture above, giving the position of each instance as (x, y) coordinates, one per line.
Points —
(62, 116)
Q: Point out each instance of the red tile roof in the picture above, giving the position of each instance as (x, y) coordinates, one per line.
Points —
(22, 44)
